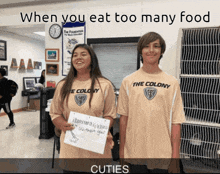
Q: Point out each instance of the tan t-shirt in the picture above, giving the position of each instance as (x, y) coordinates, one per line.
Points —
(102, 104)
(152, 102)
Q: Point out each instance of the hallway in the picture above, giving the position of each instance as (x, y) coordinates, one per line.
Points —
(20, 148)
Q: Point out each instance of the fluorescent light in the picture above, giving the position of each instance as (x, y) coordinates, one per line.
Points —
(42, 33)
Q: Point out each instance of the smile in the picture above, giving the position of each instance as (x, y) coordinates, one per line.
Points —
(151, 56)
(79, 62)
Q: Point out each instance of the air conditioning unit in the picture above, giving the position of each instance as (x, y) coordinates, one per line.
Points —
(200, 144)
(200, 90)
(201, 98)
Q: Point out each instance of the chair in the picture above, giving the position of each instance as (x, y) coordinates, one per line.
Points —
(30, 94)
(56, 145)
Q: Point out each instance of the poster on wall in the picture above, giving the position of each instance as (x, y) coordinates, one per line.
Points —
(73, 33)
(37, 65)
(3, 50)
(52, 55)
(52, 69)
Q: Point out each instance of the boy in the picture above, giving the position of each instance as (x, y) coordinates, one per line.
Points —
(151, 110)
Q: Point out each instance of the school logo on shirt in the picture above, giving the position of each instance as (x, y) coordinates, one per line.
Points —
(80, 99)
(150, 92)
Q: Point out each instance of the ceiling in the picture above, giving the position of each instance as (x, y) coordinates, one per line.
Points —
(19, 3)
(26, 30)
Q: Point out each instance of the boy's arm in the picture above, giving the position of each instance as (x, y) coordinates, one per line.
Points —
(175, 143)
(123, 126)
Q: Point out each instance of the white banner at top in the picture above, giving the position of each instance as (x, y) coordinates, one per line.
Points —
(73, 33)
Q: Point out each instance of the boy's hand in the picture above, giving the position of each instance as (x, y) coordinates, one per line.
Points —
(110, 140)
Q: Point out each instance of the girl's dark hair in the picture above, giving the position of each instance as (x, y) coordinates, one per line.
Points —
(2, 71)
(95, 73)
(42, 78)
(151, 37)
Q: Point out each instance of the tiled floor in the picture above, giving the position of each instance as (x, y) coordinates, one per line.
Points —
(22, 141)
(21, 145)
(21, 150)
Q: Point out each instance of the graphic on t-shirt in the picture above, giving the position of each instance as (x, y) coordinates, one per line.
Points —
(83, 90)
(150, 92)
(80, 99)
(155, 84)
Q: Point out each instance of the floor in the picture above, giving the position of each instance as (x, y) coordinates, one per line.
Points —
(20, 148)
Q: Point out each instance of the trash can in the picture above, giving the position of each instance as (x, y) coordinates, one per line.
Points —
(46, 124)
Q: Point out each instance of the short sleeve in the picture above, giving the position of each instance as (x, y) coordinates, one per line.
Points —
(55, 108)
(178, 115)
(123, 100)
(110, 106)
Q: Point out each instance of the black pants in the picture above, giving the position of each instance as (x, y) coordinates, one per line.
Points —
(7, 108)
(66, 171)
(143, 169)
(74, 172)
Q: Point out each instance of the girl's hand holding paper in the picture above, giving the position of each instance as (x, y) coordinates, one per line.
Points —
(66, 126)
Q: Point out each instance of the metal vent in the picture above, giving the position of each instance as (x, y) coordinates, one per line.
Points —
(200, 51)
(200, 74)
(201, 143)
(201, 98)
(200, 89)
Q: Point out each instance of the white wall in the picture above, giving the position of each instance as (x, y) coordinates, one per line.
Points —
(22, 48)
(170, 33)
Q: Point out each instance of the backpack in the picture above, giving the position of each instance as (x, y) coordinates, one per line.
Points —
(12, 87)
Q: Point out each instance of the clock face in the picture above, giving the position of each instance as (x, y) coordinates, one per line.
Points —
(55, 31)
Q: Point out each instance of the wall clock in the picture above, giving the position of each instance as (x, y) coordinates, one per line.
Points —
(55, 31)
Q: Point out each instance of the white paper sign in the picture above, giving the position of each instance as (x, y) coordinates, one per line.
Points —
(90, 132)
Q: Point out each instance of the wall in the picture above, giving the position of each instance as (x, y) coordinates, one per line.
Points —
(20, 47)
(169, 31)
